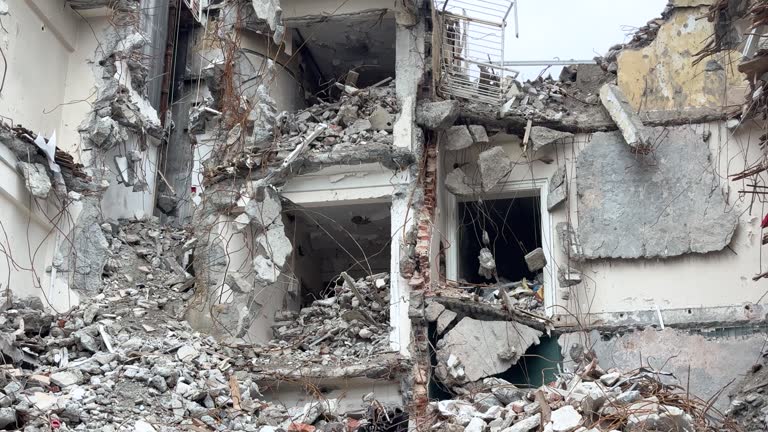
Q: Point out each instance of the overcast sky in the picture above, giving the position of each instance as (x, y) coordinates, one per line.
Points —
(573, 29)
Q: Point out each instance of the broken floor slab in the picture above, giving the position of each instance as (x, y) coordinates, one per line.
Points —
(457, 138)
(646, 207)
(632, 129)
(482, 348)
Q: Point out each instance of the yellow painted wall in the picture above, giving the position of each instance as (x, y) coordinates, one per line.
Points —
(662, 76)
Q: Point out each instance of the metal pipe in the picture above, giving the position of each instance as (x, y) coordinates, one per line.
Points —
(542, 62)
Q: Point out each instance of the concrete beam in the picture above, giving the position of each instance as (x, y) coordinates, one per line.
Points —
(618, 107)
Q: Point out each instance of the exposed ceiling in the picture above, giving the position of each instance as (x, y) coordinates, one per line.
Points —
(364, 42)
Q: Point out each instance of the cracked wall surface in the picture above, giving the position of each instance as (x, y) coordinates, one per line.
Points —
(628, 210)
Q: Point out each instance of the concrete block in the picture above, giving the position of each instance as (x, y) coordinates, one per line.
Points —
(437, 115)
(381, 119)
(36, 179)
(622, 113)
(479, 135)
(458, 183)
(631, 208)
(568, 277)
(536, 260)
(542, 137)
(457, 138)
(494, 166)
(433, 311)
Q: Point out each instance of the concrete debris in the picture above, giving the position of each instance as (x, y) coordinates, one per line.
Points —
(36, 178)
(458, 183)
(457, 138)
(629, 123)
(542, 137)
(494, 165)
(164, 376)
(698, 221)
(445, 320)
(585, 398)
(345, 126)
(558, 189)
(482, 349)
(479, 134)
(536, 260)
(437, 115)
(487, 264)
(568, 277)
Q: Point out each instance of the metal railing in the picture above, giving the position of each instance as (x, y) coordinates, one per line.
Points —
(471, 48)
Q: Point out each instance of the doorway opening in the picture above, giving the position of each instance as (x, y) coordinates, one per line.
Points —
(509, 229)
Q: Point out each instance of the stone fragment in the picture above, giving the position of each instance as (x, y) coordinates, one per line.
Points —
(504, 391)
(477, 345)
(8, 418)
(42, 401)
(381, 119)
(494, 165)
(462, 411)
(457, 138)
(238, 283)
(142, 426)
(542, 136)
(565, 419)
(610, 379)
(567, 276)
(569, 241)
(360, 125)
(458, 183)
(444, 320)
(676, 203)
(187, 353)
(487, 263)
(437, 115)
(479, 135)
(475, 425)
(536, 260)
(525, 425)
(36, 178)
(67, 378)
(558, 189)
(433, 311)
(622, 113)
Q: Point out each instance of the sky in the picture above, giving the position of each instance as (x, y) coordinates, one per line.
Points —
(573, 29)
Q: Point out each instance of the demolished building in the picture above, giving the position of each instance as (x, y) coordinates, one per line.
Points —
(310, 215)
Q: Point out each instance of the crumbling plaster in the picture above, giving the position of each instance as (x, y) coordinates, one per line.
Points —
(614, 286)
(662, 76)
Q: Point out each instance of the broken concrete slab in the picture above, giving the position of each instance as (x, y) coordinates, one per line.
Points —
(536, 260)
(628, 122)
(437, 115)
(433, 311)
(565, 419)
(67, 377)
(558, 189)
(457, 138)
(359, 126)
(36, 178)
(674, 200)
(445, 320)
(483, 348)
(479, 134)
(542, 137)
(494, 166)
(458, 183)
(568, 277)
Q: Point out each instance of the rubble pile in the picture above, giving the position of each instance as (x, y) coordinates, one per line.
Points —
(641, 38)
(589, 400)
(351, 324)
(125, 360)
(522, 295)
(749, 399)
(360, 117)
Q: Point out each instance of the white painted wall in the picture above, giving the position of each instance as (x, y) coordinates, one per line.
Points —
(691, 281)
(40, 39)
(30, 230)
